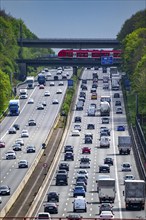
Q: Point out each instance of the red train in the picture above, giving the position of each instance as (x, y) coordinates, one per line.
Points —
(89, 53)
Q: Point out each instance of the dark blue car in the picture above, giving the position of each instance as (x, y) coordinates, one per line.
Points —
(121, 128)
(79, 191)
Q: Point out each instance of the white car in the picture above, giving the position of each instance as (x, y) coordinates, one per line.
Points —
(106, 215)
(30, 101)
(84, 165)
(82, 172)
(23, 164)
(129, 177)
(119, 110)
(104, 141)
(59, 91)
(126, 166)
(10, 155)
(47, 93)
(61, 83)
(19, 141)
(24, 133)
(43, 216)
(55, 101)
(75, 133)
(52, 84)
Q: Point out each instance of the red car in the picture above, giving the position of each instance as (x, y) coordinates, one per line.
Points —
(2, 144)
(86, 150)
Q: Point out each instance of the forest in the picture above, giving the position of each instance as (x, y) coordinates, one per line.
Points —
(132, 36)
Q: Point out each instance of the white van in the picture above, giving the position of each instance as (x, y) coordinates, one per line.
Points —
(79, 204)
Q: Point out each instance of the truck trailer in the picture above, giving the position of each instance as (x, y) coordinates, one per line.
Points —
(14, 107)
(124, 144)
(134, 194)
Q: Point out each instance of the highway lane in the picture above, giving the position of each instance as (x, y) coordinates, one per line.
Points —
(37, 134)
(97, 155)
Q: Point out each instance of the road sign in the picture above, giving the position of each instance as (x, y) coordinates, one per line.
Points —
(106, 60)
(70, 82)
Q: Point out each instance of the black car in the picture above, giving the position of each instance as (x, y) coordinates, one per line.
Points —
(104, 168)
(85, 159)
(77, 119)
(88, 140)
(64, 166)
(84, 87)
(16, 126)
(17, 147)
(90, 126)
(68, 148)
(52, 208)
(53, 197)
(74, 217)
(68, 156)
(31, 122)
(117, 103)
(30, 149)
(108, 160)
(116, 95)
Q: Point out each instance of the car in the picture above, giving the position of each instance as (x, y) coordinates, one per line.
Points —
(86, 150)
(108, 160)
(31, 122)
(74, 217)
(120, 128)
(30, 101)
(12, 130)
(10, 155)
(88, 135)
(44, 103)
(68, 156)
(77, 119)
(84, 165)
(23, 164)
(93, 90)
(81, 178)
(30, 149)
(64, 76)
(82, 94)
(19, 141)
(52, 84)
(64, 166)
(41, 86)
(55, 101)
(106, 215)
(62, 172)
(93, 105)
(119, 110)
(4, 190)
(82, 172)
(17, 147)
(47, 93)
(103, 133)
(43, 216)
(59, 91)
(94, 85)
(61, 83)
(84, 87)
(16, 126)
(104, 142)
(81, 183)
(2, 144)
(105, 207)
(68, 148)
(79, 204)
(126, 166)
(53, 197)
(40, 107)
(93, 95)
(51, 207)
(77, 127)
(82, 99)
(116, 95)
(117, 103)
(105, 129)
(79, 191)
(75, 133)
(24, 133)
(105, 120)
(106, 86)
(88, 140)
(91, 126)
(128, 177)
(23, 96)
(105, 168)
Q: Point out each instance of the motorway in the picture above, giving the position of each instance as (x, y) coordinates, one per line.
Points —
(9, 173)
(65, 206)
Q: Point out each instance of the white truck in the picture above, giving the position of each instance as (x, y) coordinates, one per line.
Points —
(134, 194)
(30, 82)
(23, 94)
(124, 144)
(104, 108)
(106, 189)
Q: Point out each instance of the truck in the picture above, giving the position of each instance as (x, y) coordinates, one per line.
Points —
(23, 94)
(134, 194)
(61, 179)
(14, 107)
(104, 108)
(41, 79)
(115, 83)
(113, 70)
(124, 144)
(106, 189)
(30, 82)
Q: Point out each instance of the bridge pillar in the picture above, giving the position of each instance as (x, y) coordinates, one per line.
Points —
(22, 71)
(75, 68)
